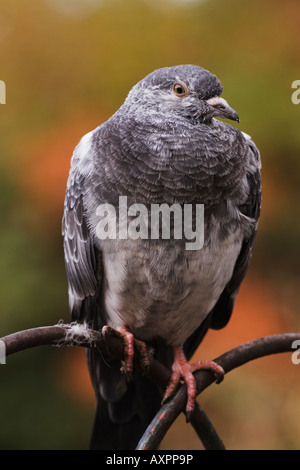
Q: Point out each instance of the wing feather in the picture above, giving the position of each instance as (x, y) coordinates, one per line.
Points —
(81, 257)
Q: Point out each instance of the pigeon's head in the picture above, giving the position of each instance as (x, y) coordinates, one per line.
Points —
(182, 91)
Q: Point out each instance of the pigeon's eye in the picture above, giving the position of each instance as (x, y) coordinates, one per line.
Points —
(180, 89)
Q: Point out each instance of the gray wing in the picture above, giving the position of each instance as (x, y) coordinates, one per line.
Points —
(83, 262)
(221, 313)
(124, 410)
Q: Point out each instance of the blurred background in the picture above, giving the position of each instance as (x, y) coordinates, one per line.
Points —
(67, 66)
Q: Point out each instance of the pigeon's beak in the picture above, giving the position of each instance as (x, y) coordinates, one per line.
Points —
(220, 108)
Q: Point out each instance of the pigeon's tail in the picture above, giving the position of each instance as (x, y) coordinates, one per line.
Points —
(124, 409)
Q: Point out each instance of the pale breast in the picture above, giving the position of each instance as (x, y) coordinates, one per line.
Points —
(162, 289)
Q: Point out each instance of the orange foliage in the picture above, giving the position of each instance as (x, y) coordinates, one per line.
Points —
(255, 315)
(73, 376)
(43, 163)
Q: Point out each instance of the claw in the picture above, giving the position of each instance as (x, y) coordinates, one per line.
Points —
(183, 369)
(129, 343)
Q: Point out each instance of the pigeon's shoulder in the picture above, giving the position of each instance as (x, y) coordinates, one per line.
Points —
(252, 205)
(255, 154)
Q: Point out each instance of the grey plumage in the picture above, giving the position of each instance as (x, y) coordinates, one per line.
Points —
(159, 147)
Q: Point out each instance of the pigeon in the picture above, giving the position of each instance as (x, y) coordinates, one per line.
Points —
(169, 145)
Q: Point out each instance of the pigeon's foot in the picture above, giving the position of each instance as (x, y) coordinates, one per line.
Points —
(130, 342)
(183, 369)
